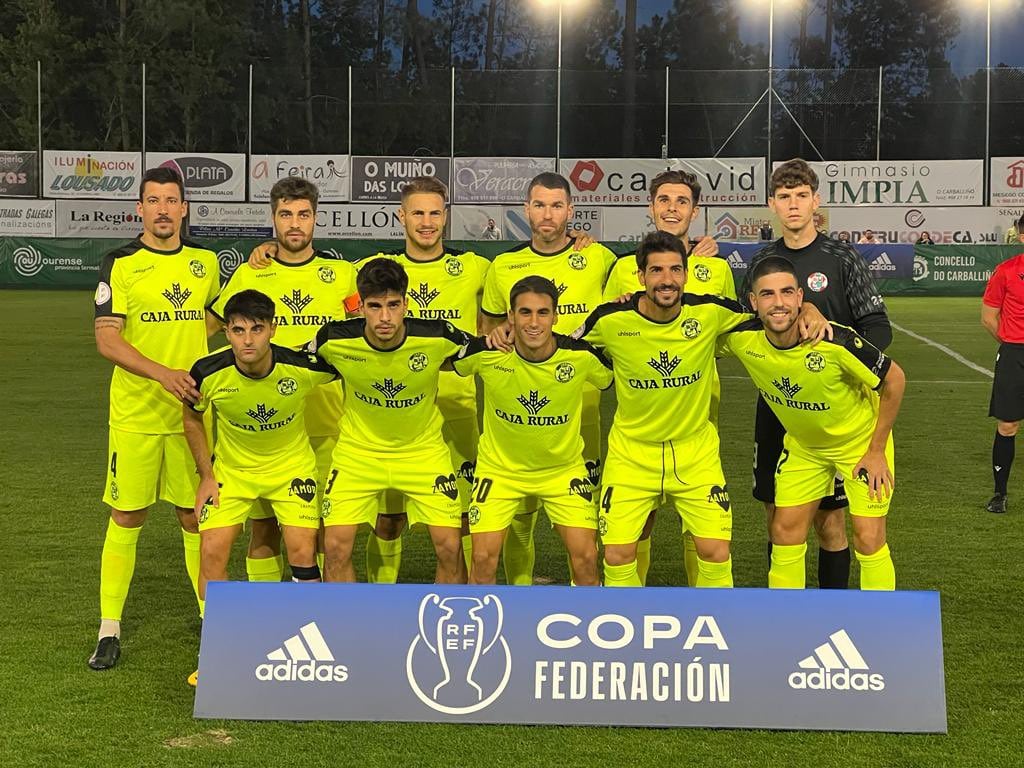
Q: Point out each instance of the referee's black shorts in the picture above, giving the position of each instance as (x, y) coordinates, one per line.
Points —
(1007, 402)
(768, 434)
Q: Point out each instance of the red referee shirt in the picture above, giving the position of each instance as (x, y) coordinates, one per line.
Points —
(1005, 292)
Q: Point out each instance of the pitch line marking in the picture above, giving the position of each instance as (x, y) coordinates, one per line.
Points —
(943, 348)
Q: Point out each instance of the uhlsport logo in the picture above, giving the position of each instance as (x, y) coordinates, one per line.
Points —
(883, 263)
(304, 658)
(836, 666)
(459, 663)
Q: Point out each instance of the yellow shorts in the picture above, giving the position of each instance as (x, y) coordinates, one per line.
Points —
(425, 478)
(323, 449)
(142, 468)
(802, 476)
(638, 476)
(290, 493)
(565, 491)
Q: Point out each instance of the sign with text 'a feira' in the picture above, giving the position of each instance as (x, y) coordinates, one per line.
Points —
(740, 658)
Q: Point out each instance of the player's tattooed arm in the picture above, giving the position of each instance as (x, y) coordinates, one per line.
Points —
(113, 346)
(873, 466)
(261, 256)
(199, 446)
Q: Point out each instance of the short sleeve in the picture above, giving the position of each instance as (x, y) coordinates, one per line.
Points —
(111, 292)
(600, 369)
(493, 303)
(995, 291)
(466, 361)
(863, 360)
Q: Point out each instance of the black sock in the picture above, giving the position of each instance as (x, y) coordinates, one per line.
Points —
(833, 569)
(1002, 459)
(769, 555)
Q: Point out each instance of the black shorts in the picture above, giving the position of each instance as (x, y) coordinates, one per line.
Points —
(768, 434)
(1007, 402)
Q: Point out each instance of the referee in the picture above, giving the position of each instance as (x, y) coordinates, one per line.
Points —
(1002, 314)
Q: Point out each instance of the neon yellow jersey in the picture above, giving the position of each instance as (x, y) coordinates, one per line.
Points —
(532, 410)
(578, 275)
(446, 288)
(260, 421)
(391, 393)
(705, 274)
(663, 371)
(824, 395)
(306, 296)
(162, 297)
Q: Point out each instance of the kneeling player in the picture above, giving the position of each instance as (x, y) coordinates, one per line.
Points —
(531, 445)
(838, 401)
(259, 392)
(390, 434)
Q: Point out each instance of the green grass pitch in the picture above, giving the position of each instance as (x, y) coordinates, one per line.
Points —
(55, 712)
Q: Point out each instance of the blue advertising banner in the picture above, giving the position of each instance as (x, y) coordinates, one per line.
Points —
(888, 260)
(738, 658)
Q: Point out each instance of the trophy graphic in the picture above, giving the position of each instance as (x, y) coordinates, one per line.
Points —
(459, 662)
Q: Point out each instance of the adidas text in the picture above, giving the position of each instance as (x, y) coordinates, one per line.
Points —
(302, 671)
(836, 680)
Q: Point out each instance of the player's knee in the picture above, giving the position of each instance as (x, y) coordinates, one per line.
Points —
(264, 538)
(187, 519)
(830, 528)
(712, 550)
(130, 519)
(619, 554)
(787, 532)
(305, 572)
(584, 568)
(1008, 428)
(869, 539)
(449, 547)
(389, 527)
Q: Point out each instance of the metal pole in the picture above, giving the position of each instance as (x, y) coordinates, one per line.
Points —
(452, 144)
(988, 105)
(39, 122)
(143, 114)
(878, 121)
(664, 145)
(350, 109)
(249, 131)
(558, 92)
(771, 83)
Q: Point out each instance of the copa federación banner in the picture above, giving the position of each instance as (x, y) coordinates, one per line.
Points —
(330, 173)
(739, 658)
(1007, 181)
(28, 218)
(380, 179)
(495, 179)
(19, 175)
(911, 183)
(102, 175)
(216, 176)
(625, 181)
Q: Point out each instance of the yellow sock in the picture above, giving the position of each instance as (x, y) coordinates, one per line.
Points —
(117, 564)
(383, 559)
(714, 574)
(320, 562)
(467, 551)
(202, 608)
(191, 541)
(518, 552)
(621, 575)
(643, 559)
(265, 568)
(789, 569)
(877, 570)
(690, 564)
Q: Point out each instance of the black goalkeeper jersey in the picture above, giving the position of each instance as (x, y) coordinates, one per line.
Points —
(836, 280)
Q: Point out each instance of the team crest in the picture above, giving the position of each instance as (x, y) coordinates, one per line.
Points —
(691, 328)
(858, 343)
(453, 267)
(564, 372)
(417, 361)
(325, 509)
(196, 268)
(114, 491)
(474, 515)
(287, 386)
(817, 282)
(578, 261)
(602, 525)
(204, 513)
(702, 273)
(326, 274)
(815, 362)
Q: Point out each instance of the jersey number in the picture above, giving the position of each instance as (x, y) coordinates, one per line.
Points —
(783, 460)
(330, 482)
(606, 500)
(482, 488)
(113, 464)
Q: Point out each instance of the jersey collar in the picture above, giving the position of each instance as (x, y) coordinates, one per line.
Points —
(273, 365)
(572, 242)
(172, 252)
(299, 263)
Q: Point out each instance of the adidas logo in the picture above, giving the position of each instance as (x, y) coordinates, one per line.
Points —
(736, 261)
(836, 666)
(883, 263)
(305, 658)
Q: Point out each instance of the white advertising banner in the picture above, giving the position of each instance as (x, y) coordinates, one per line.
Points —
(28, 218)
(98, 218)
(1007, 179)
(900, 182)
(102, 175)
(495, 179)
(508, 222)
(904, 225)
(207, 176)
(615, 181)
(359, 221)
(230, 220)
(330, 173)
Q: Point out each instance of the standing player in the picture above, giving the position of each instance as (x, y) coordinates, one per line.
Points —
(1002, 314)
(662, 443)
(444, 284)
(531, 446)
(674, 206)
(391, 427)
(579, 276)
(310, 288)
(836, 424)
(839, 286)
(151, 322)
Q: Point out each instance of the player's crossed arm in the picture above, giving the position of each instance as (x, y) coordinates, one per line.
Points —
(112, 345)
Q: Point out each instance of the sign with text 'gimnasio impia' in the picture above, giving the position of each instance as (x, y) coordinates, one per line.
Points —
(742, 658)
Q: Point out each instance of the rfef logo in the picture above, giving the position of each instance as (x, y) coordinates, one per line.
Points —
(303, 658)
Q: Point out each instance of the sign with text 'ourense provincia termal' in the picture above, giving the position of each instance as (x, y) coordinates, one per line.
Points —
(743, 658)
